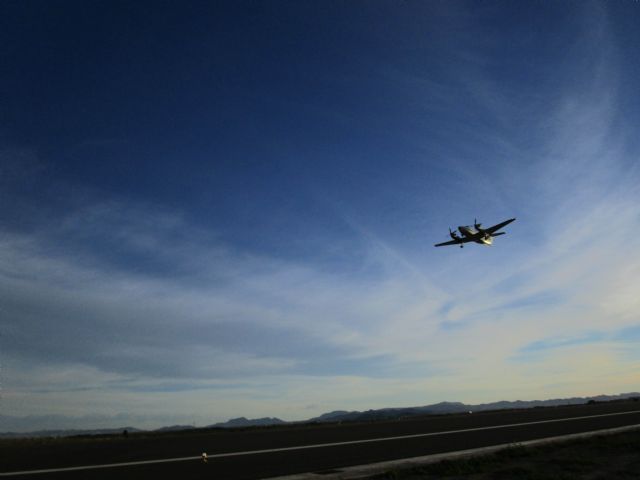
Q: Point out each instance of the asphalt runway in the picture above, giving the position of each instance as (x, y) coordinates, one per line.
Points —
(270, 452)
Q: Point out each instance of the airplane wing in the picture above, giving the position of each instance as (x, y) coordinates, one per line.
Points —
(454, 242)
(497, 227)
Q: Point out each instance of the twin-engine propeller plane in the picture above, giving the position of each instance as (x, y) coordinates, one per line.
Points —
(477, 234)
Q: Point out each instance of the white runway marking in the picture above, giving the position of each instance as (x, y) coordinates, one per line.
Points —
(304, 447)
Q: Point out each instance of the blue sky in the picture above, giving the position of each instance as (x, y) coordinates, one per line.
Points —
(215, 210)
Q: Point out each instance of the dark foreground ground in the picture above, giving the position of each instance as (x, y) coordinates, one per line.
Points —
(597, 458)
(249, 454)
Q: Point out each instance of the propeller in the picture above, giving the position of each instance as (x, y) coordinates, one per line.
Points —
(476, 224)
(453, 234)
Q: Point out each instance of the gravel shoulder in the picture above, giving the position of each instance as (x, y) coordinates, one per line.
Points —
(597, 458)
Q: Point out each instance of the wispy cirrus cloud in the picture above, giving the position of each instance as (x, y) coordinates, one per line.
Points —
(112, 303)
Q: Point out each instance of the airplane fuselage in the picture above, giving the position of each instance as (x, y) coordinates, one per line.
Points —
(478, 236)
(475, 234)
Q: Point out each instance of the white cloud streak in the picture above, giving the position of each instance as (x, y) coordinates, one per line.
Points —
(125, 308)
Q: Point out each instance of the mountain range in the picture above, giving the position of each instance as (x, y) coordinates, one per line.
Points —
(457, 407)
(441, 408)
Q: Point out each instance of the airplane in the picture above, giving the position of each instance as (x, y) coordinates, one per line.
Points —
(477, 234)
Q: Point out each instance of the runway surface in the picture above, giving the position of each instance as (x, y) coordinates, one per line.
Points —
(270, 452)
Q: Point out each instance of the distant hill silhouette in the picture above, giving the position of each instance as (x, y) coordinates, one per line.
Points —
(441, 408)
(457, 407)
(245, 422)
